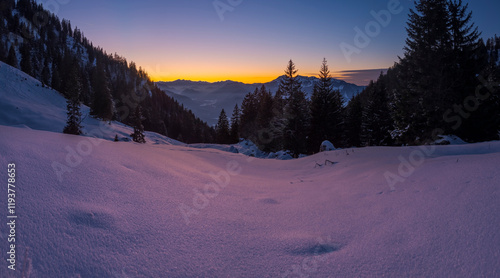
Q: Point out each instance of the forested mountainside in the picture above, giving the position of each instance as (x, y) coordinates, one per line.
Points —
(51, 50)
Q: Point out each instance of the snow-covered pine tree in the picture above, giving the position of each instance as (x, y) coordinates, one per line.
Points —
(72, 90)
(138, 135)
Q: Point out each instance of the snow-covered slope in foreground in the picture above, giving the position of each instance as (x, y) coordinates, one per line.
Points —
(129, 210)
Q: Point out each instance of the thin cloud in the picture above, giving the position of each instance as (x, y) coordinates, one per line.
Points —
(359, 77)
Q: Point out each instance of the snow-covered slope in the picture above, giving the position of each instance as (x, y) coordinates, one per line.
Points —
(129, 210)
(24, 102)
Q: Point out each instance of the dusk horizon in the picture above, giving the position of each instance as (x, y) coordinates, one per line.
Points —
(357, 77)
(251, 41)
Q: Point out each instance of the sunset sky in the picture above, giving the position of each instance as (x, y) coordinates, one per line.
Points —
(251, 42)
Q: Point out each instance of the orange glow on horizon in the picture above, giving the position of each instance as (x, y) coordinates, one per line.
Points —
(212, 79)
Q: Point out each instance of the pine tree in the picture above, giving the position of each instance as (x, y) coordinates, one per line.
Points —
(46, 73)
(73, 90)
(55, 81)
(12, 57)
(296, 112)
(3, 50)
(354, 114)
(376, 120)
(26, 64)
(326, 112)
(249, 112)
(138, 135)
(278, 122)
(467, 61)
(235, 125)
(422, 99)
(222, 129)
(264, 119)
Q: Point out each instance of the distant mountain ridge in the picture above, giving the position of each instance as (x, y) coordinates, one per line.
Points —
(207, 99)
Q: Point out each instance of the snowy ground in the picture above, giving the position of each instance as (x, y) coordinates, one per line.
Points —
(90, 207)
(129, 210)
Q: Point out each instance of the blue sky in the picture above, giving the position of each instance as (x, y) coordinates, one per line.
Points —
(247, 40)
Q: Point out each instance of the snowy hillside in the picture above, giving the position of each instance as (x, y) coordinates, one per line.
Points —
(24, 102)
(207, 99)
(128, 210)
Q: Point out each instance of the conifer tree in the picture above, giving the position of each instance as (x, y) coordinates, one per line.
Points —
(467, 60)
(222, 129)
(72, 90)
(265, 108)
(376, 120)
(26, 64)
(12, 58)
(46, 73)
(55, 81)
(354, 113)
(3, 52)
(138, 135)
(326, 112)
(235, 125)
(422, 99)
(296, 112)
(249, 112)
(265, 114)
(278, 122)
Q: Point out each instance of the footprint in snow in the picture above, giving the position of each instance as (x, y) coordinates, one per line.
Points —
(92, 219)
(269, 201)
(316, 249)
